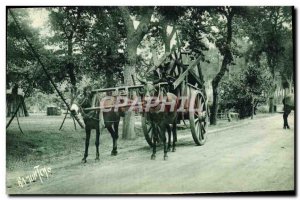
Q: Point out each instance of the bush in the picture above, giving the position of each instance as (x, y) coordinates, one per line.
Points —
(242, 90)
(263, 109)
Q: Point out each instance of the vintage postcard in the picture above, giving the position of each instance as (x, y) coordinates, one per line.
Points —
(143, 100)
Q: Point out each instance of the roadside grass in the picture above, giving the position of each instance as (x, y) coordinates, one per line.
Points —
(41, 140)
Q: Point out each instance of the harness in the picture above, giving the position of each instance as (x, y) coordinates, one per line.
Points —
(83, 113)
(161, 95)
(88, 116)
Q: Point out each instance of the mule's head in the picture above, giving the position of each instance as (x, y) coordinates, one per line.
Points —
(82, 101)
(74, 109)
(150, 89)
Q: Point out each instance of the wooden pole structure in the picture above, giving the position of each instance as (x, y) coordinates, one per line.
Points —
(44, 69)
(64, 120)
(185, 73)
(16, 111)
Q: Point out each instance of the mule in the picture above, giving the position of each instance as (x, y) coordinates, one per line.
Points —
(288, 106)
(160, 121)
(92, 120)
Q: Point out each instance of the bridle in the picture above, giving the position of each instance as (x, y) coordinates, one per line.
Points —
(83, 113)
(88, 116)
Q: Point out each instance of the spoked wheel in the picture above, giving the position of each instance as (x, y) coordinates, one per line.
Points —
(198, 117)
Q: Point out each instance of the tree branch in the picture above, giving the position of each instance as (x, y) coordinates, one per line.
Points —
(145, 21)
(76, 20)
(63, 27)
(172, 33)
(126, 17)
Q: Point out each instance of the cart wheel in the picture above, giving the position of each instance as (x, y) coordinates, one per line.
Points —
(147, 129)
(198, 117)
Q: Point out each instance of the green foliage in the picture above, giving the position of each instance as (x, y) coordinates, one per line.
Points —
(40, 99)
(70, 26)
(193, 30)
(270, 31)
(171, 13)
(22, 67)
(103, 50)
(69, 22)
(243, 90)
(98, 44)
(286, 63)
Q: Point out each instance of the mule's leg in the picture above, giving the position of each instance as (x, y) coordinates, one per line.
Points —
(169, 137)
(114, 152)
(164, 138)
(97, 143)
(116, 131)
(174, 130)
(155, 137)
(87, 143)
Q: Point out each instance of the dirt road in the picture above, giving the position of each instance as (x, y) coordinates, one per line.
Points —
(258, 156)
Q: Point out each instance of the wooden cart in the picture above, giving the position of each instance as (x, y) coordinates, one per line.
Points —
(188, 82)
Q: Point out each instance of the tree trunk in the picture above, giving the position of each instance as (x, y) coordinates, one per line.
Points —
(70, 64)
(271, 104)
(214, 107)
(134, 37)
(226, 61)
(167, 38)
(24, 107)
(109, 78)
(200, 74)
(215, 85)
(71, 68)
(291, 84)
(272, 97)
(272, 66)
(129, 119)
(167, 46)
(252, 108)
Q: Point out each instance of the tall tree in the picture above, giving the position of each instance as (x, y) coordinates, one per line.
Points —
(168, 22)
(223, 43)
(70, 25)
(270, 30)
(130, 16)
(103, 49)
(20, 61)
(286, 64)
